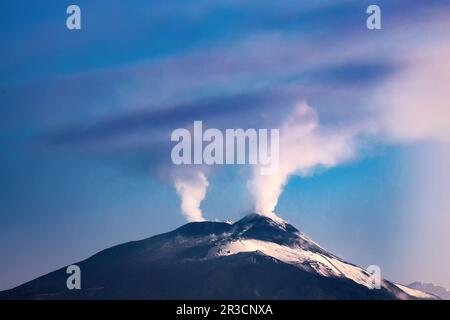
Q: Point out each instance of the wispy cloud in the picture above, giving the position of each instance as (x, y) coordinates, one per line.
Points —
(256, 73)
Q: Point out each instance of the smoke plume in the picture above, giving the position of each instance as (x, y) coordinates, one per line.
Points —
(304, 146)
(191, 187)
(412, 106)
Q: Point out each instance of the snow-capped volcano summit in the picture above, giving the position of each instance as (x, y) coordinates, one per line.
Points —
(254, 258)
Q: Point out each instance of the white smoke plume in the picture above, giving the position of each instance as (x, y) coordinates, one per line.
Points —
(191, 187)
(304, 146)
(414, 105)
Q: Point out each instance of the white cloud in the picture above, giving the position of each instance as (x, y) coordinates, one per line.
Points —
(415, 103)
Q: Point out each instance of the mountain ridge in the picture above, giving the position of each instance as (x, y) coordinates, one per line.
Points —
(431, 288)
(215, 260)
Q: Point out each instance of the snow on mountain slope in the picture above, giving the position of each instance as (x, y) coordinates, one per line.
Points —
(431, 288)
(415, 293)
(307, 260)
(299, 251)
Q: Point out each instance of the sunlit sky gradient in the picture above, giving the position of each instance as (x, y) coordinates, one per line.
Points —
(85, 118)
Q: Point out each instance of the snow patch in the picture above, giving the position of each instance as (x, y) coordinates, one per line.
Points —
(415, 293)
(324, 265)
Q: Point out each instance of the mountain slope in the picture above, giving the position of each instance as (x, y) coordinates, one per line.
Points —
(430, 288)
(254, 258)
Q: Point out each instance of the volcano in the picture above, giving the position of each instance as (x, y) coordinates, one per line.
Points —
(254, 258)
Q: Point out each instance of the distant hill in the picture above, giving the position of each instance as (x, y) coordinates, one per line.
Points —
(439, 291)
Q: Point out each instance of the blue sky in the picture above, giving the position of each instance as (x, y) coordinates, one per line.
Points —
(86, 116)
